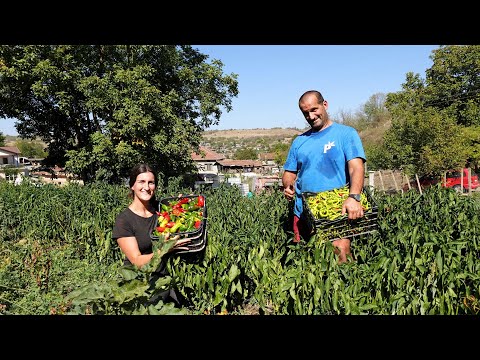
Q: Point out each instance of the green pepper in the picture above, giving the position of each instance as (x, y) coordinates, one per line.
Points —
(193, 207)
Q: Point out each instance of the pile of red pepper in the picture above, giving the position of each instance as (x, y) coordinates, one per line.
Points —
(184, 214)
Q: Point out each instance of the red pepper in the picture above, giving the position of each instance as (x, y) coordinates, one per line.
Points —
(197, 224)
(160, 229)
(170, 224)
(178, 212)
(201, 201)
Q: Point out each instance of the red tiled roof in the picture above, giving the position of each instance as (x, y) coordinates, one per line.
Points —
(242, 163)
(11, 149)
(207, 155)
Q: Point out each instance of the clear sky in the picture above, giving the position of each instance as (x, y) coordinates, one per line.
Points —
(271, 78)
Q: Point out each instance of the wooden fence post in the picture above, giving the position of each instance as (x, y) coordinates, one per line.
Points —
(381, 180)
(418, 184)
(408, 182)
(371, 180)
(394, 181)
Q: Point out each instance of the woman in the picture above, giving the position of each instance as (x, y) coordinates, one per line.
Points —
(134, 225)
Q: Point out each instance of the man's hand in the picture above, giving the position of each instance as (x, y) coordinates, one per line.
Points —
(353, 208)
(289, 192)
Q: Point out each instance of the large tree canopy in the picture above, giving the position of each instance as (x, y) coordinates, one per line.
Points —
(30, 149)
(435, 121)
(103, 108)
(453, 82)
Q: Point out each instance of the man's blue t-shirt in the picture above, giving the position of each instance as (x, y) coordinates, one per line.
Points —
(320, 159)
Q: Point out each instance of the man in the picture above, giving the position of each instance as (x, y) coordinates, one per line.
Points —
(327, 156)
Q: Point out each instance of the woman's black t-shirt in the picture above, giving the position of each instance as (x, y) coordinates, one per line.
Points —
(129, 224)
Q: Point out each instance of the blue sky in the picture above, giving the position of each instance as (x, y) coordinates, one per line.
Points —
(271, 78)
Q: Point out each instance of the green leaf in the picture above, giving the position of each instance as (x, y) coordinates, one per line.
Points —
(439, 261)
(233, 272)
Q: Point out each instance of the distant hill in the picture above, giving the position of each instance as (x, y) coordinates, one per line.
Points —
(252, 133)
(10, 140)
(227, 142)
(368, 136)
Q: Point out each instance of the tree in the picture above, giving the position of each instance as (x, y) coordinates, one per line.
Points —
(375, 110)
(280, 150)
(453, 83)
(435, 121)
(2, 139)
(103, 108)
(246, 154)
(424, 142)
(371, 114)
(472, 136)
(371, 121)
(31, 149)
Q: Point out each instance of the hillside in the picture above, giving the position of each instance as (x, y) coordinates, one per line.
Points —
(252, 133)
(370, 135)
(10, 140)
(276, 133)
(374, 135)
(228, 142)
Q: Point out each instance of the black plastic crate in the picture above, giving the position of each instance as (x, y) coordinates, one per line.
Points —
(342, 227)
(189, 234)
(197, 244)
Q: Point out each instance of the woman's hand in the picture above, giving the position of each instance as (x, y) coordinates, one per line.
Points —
(178, 242)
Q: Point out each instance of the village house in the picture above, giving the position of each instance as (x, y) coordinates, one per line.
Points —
(9, 155)
(227, 166)
(207, 166)
(214, 168)
(268, 163)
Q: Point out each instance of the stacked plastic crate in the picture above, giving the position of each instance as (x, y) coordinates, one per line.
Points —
(198, 236)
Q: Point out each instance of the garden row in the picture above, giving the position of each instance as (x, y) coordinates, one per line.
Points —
(57, 257)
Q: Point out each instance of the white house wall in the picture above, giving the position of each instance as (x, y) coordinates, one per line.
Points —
(11, 158)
